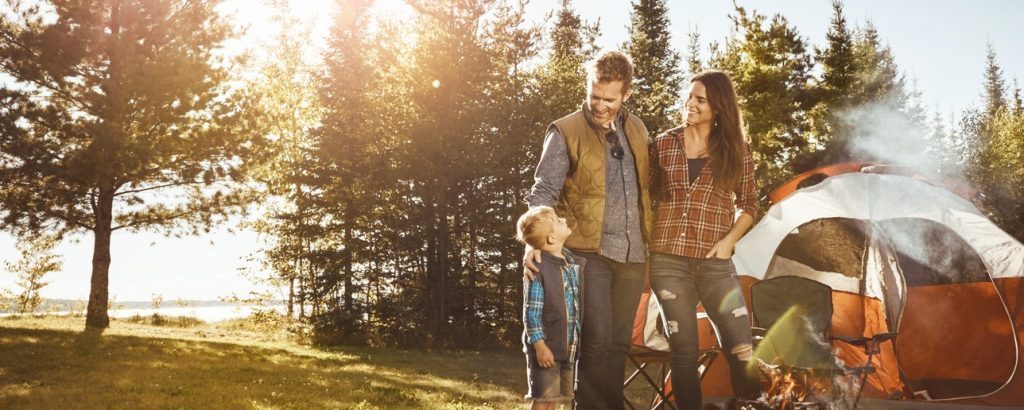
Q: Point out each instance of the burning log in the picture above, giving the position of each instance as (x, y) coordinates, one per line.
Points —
(793, 388)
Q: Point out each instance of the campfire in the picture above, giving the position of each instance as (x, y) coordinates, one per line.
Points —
(796, 388)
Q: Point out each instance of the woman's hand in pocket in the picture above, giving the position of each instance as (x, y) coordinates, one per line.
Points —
(722, 249)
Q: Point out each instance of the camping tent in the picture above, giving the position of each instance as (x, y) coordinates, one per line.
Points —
(903, 255)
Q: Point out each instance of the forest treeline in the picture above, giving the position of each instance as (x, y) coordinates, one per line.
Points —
(388, 168)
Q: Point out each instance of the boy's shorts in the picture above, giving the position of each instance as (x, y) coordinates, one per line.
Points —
(550, 385)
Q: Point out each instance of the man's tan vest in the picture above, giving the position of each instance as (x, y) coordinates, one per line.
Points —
(582, 200)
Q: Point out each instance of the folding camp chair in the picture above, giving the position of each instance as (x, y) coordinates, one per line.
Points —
(653, 366)
(794, 316)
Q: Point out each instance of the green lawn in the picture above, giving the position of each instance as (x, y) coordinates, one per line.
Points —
(50, 363)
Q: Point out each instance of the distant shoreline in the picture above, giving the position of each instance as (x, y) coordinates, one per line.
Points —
(207, 311)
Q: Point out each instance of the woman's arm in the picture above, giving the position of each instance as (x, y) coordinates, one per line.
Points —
(746, 203)
(656, 176)
(746, 191)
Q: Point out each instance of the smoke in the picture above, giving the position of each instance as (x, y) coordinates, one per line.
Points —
(894, 130)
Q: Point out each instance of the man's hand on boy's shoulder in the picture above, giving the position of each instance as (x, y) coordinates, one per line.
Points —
(530, 268)
(545, 358)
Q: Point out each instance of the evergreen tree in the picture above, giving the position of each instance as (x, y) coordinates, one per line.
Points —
(878, 77)
(109, 104)
(447, 82)
(996, 165)
(995, 86)
(694, 63)
(859, 75)
(836, 91)
(493, 262)
(1018, 105)
(838, 65)
(562, 79)
(943, 147)
(1000, 172)
(657, 79)
(771, 67)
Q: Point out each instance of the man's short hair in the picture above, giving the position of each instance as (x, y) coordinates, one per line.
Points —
(612, 66)
(535, 225)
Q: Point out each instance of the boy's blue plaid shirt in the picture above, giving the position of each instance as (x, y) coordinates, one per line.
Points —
(535, 307)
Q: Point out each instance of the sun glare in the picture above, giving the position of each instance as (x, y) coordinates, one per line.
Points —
(392, 7)
(260, 25)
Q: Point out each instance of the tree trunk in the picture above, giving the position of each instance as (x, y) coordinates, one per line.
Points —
(96, 314)
(471, 298)
(443, 241)
(302, 288)
(107, 142)
(348, 266)
(291, 297)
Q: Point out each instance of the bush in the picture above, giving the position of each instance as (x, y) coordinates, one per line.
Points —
(157, 319)
(337, 327)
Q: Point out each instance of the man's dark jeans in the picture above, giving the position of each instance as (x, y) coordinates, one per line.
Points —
(610, 298)
(679, 283)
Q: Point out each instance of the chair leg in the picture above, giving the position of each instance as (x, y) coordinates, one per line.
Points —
(629, 380)
(664, 374)
(658, 387)
(868, 368)
(705, 361)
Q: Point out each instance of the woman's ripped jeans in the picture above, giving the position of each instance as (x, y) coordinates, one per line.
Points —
(679, 284)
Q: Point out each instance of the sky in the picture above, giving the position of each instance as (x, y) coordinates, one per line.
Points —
(938, 44)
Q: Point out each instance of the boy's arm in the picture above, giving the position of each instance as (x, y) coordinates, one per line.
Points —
(533, 310)
(545, 358)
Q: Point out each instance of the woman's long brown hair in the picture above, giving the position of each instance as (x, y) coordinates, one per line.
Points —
(726, 144)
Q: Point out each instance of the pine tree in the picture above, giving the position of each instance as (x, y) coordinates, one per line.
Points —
(996, 165)
(694, 63)
(447, 82)
(835, 92)
(1018, 105)
(941, 147)
(995, 86)
(561, 80)
(770, 66)
(878, 77)
(493, 263)
(109, 104)
(839, 69)
(657, 79)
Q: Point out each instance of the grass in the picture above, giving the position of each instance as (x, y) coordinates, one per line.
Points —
(50, 363)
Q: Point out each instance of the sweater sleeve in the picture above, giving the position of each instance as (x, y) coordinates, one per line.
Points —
(553, 168)
(533, 310)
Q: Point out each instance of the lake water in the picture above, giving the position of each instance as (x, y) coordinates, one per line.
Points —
(205, 313)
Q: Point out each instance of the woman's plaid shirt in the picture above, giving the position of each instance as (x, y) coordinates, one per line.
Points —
(691, 218)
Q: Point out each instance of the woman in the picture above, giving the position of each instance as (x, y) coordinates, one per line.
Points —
(699, 167)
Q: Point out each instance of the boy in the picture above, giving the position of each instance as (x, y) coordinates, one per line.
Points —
(551, 309)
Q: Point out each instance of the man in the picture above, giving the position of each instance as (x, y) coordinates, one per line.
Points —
(595, 172)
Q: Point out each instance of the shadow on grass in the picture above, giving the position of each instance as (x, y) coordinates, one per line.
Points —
(64, 369)
(89, 339)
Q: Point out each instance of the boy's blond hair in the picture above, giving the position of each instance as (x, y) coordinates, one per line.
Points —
(535, 225)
